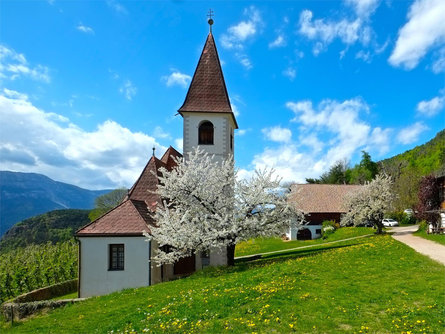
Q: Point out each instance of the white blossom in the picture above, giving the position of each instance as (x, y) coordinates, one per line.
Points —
(370, 203)
(205, 207)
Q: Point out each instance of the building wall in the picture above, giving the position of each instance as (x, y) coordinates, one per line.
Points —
(223, 129)
(96, 279)
(293, 231)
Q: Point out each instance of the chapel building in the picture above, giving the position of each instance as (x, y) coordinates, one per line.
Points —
(113, 252)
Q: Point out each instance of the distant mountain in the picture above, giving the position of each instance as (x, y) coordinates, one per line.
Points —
(24, 195)
(54, 226)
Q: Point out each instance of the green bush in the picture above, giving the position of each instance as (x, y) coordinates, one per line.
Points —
(423, 226)
(328, 228)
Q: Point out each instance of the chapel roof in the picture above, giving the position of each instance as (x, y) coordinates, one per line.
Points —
(312, 198)
(134, 214)
(128, 218)
(207, 91)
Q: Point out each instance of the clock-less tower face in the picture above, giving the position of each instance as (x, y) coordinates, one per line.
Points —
(208, 118)
(212, 132)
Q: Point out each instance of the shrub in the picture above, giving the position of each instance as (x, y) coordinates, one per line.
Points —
(423, 226)
(328, 227)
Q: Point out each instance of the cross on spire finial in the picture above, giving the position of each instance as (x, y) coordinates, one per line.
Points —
(210, 21)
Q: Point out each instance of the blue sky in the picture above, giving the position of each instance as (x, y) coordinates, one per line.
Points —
(88, 87)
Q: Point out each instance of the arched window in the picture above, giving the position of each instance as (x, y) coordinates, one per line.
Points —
(205, 133)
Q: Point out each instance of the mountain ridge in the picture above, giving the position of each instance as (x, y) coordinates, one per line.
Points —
(24, 195)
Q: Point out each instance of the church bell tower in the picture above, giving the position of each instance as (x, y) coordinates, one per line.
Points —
(209, 121)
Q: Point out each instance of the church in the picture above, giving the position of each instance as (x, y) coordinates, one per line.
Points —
(113, 252)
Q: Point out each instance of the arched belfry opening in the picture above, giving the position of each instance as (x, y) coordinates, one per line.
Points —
(205, 133)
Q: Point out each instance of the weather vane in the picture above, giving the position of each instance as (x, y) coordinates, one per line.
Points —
(210, 21)
(154, 148)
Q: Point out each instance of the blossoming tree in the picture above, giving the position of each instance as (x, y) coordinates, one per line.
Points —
(204, 207)
(370, 203)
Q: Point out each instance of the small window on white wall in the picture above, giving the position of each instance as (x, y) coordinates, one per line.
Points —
(205, 133)
(116, 257)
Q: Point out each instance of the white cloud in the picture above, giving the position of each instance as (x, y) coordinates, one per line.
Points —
(364, 55)
(235, 110)
(128, 90)
(32, 140)
(117, 7)
(431, 107)
(277, 134)
(158, 132)
(245, 61)
(325, 32)
(439, 62)
(241, 132)
(239, 33)
(331, 131)
(85, 29)
(363, 8)
(177, 78)
(179, 144)
(290, 72)
(349, 30)
(424, 30)
(14, 65)
(411, 133)
(278, 42)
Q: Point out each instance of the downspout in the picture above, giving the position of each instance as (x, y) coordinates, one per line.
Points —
(149, 262)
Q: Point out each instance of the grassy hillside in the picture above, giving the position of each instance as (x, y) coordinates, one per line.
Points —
(369, 285)
(409, 167)
(54, 226)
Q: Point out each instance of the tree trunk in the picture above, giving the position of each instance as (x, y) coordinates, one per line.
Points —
(379, 228)
(231, 255)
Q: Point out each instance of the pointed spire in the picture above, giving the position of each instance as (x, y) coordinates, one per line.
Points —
(207, 91)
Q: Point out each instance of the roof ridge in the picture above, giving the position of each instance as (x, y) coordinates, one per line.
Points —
(104, 214)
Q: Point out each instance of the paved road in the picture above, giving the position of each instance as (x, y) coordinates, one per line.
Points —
(426, 247)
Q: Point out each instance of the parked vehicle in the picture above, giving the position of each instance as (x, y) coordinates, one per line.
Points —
(388, 222)
(409, 212)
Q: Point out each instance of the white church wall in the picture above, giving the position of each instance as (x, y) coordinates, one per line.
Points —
(95, 277)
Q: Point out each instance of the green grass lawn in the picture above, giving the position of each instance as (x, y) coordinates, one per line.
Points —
(440, 238)
(255, 246)
(367, 285)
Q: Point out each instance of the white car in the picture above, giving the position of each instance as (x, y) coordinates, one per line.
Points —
(387, 222)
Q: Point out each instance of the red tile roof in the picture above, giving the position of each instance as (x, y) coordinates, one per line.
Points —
(321, 197)
(207, 91)
(128, 218)
(169, 157)
(133, 215)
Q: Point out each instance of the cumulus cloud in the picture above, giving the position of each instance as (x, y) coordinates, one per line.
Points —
(14, 65)
(424, 30)
(179, 144)
(277, 134)
(85, 29)
(331, 131)
(411, 133)
(32, 140)
(128, 90)
(431, 107)
(177, 78)
(439, 61)
(348, 29)
(238, 34)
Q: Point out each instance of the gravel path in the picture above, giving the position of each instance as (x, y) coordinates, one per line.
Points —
(426, 247)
